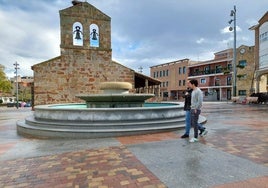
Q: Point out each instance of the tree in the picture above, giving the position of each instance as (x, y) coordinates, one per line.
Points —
(5, 84)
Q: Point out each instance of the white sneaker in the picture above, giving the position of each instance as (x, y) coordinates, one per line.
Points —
(204, 133)
(193, 140)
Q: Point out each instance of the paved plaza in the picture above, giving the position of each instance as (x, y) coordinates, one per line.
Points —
(233, 154)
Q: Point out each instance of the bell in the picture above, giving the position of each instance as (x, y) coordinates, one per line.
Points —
(94, 34)
(77, 36)
(77, 33)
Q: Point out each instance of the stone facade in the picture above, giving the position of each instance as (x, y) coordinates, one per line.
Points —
(245, 74)
(79, 69)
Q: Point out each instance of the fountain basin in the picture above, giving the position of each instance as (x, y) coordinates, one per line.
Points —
(77, 121)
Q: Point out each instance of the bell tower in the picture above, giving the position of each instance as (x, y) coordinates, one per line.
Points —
(83, 29)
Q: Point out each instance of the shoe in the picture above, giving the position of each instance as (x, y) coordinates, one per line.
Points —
(185, 136)
(204, 133)
(193, 140)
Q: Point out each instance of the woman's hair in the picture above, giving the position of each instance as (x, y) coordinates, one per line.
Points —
(194, 82)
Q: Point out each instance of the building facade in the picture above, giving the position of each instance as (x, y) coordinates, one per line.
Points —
(261, 53)
(173, 77)
(215, 76)
(25, 84)
(85, 60)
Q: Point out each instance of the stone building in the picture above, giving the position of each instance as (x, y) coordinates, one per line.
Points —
(85, 60)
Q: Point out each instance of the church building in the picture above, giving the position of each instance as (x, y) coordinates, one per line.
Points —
(85, 60)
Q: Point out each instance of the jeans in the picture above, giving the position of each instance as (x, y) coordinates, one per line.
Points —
(194, 121)
(188, 123)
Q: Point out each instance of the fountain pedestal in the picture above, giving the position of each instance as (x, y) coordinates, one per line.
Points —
(115, 95)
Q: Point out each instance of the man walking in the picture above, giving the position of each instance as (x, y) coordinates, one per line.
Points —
(187, 109)
(196, 104)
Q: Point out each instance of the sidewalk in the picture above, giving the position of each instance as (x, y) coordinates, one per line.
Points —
(233, 154)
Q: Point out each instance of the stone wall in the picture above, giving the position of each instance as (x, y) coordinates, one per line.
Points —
(246, 82)
(59, 81)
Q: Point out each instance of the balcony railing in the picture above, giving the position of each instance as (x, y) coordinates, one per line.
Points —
(212, 71)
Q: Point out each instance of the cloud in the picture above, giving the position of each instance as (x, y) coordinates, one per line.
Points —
(144, 33)
(200, 41)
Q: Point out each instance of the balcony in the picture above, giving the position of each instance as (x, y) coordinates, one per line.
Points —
(224, 70)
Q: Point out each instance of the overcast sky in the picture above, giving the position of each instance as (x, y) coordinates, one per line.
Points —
(144, 32)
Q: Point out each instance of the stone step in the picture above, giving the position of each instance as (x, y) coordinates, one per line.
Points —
(63, 132)
(101, 125)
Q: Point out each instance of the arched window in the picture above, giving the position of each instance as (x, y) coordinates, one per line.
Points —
(77, 34)
(94, 35)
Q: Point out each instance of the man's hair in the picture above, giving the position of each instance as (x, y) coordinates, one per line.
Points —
(194, 82)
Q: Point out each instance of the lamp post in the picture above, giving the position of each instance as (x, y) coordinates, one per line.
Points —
(17, 84)
(233, 14)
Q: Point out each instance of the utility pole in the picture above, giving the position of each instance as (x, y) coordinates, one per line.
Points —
(140, 69)
(233, 14)
(17, 84)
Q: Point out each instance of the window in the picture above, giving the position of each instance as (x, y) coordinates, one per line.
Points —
(167, 83)
(160, 73)
(179, 82)
(164, 73)
(242, 92)
(241, 76)
(217, 82)
(229, 66)
(77, 34)
(203, 81)
(206, 69)
(180, 70)
(184, 70)
(242, 63)
(167, 72)
(165, 94)
(218, 69)
(94, 35)
(229, 81)
(263, 37)
(183, 82)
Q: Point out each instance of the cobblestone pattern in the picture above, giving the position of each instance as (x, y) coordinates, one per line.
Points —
(249, 142)
(108, 167)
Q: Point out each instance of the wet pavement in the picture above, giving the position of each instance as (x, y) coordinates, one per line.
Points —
(233, 154)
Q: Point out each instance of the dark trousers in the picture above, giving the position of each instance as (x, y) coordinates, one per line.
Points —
(194, 121)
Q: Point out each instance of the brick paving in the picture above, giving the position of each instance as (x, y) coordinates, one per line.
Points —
(246, 139)
(117, 167)
(105, 167)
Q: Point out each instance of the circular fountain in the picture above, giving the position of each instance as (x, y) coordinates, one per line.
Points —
(115, 112)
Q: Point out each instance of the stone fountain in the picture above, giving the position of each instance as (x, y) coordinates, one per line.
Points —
(115, 95)
(115, 112)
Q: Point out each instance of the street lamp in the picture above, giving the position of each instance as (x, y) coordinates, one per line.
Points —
(17, 84)
(233, 14)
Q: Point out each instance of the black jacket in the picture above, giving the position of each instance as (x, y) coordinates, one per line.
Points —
(187, 96)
